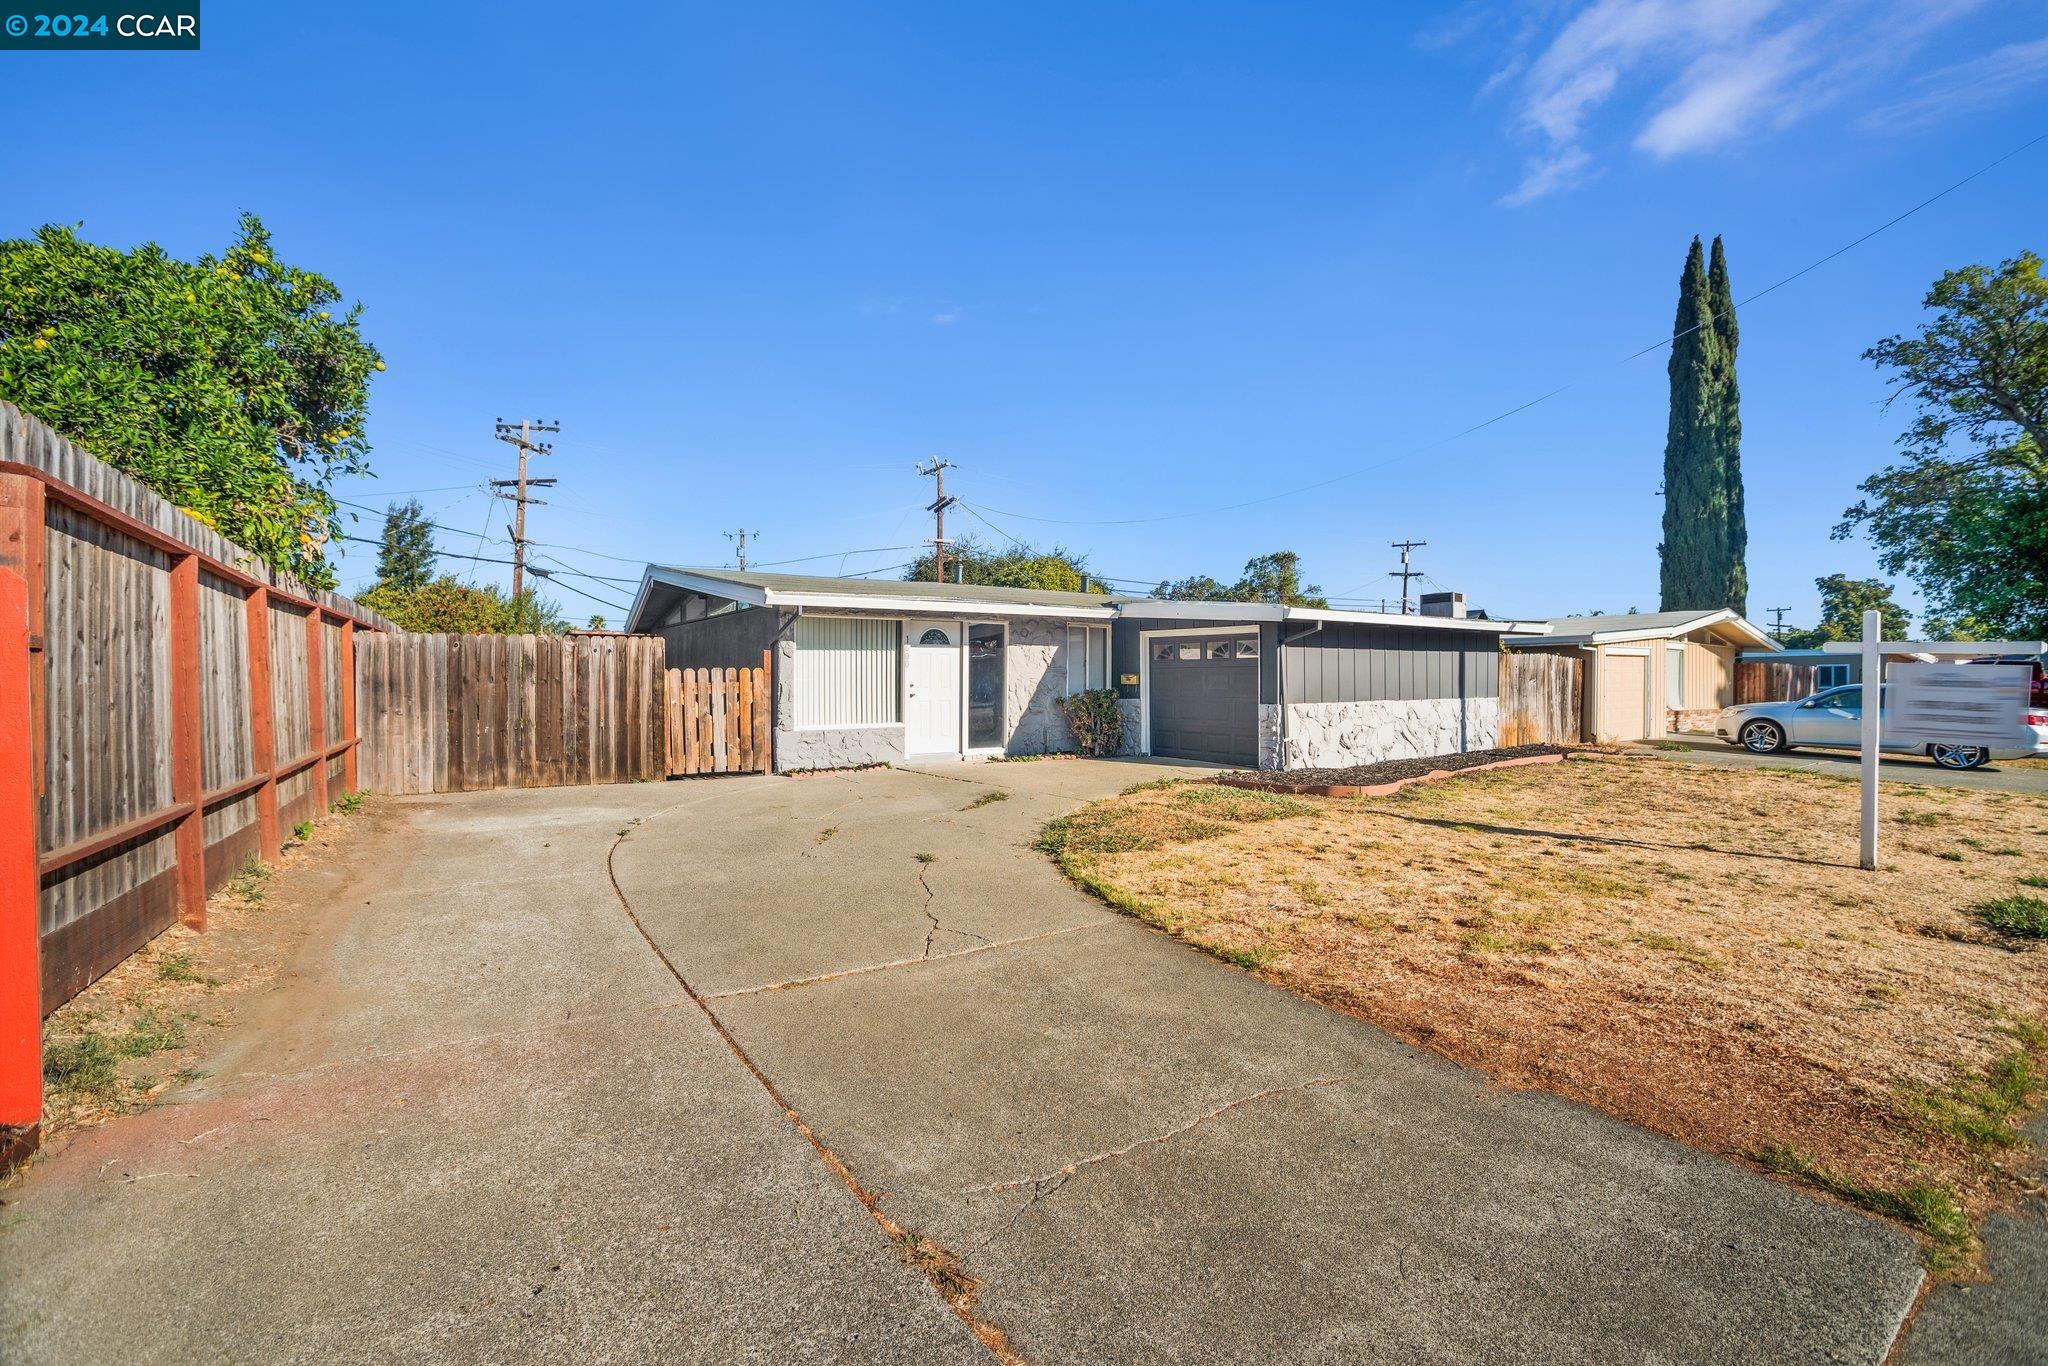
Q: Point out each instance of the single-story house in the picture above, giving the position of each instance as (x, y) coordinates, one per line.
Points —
(1649, 673)
(869, 671)
(1799, 673)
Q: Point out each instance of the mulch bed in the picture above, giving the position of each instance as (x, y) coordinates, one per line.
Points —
(1383, 778)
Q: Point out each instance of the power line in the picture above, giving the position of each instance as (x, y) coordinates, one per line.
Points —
(1807, 269)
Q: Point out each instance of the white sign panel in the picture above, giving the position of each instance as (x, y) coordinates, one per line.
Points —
(1957, 704)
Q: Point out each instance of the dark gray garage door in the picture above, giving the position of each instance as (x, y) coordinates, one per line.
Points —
(1205, 698)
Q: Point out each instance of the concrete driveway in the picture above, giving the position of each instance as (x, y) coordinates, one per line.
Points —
(486, 1120)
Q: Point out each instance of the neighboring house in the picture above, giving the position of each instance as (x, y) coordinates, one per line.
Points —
(1648, 673)
(1801, 673)
(872, 671)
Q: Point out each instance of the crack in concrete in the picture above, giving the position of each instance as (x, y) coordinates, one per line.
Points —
(1045, 1187)
(935, 929)
(983, 947)
(941, 1269)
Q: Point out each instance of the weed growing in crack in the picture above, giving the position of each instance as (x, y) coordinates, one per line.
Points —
(989, 798)
(303, 831)
(927, 858)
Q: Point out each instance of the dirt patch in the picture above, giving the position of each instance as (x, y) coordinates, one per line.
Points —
(144, 1029)
(1690, 948)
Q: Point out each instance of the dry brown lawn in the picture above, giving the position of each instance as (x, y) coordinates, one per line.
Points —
(1688, 947)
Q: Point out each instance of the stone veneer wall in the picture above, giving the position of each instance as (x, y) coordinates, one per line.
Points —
(1341, 734)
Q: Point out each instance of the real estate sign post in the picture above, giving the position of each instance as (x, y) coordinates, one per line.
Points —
(1873, 711)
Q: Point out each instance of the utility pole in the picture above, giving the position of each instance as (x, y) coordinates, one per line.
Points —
(1778, 626)
(741, 537)
(1404, 573)
(936, 468)
(522, 437)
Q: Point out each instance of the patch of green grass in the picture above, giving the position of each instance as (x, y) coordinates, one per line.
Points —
(1951, 855)
(185, 1076)
(1918, 818)
(2018, 916)
(1674, 746)
(927, 858)
(989, 798)
(249, 878)
(1929, 1210)
(1251, 960)
(2034, 880)
(1309, 890)
(1978, 1108)
(150, 1033)
(81, 1067)
(177, 967)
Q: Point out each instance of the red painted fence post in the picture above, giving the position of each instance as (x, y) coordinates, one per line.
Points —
(21, 1009)
(262, 727)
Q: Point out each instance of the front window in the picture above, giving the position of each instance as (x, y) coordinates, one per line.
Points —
(984, 687)
(1830, 676)
(1087, 658)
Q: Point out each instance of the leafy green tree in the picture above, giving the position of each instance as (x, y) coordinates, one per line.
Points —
(1701, 559)
(228, 384)
(1965, 513)
(1057, 570)
(1979, 370)
(448, 605)
(405, 557)
(1972, 533)
(1268, 578)
(1843, 601)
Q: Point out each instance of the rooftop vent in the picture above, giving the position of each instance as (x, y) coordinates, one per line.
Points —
(1443, 605)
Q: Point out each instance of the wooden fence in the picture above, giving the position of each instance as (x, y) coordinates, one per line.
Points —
(1542, 699)
(447, 713)
(718, 720)
(183, 704)
(1770, 680)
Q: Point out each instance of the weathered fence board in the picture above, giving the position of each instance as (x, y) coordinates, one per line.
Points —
(448, 713)
(1542, 699)
(152, 681)
(1770, 680)
(716, 720)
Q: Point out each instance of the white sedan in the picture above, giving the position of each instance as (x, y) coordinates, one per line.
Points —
(1834, 720)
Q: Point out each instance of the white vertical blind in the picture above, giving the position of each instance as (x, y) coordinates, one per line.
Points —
(846, 671)
(1087, 658)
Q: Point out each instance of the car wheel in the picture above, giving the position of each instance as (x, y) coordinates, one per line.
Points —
(1762, 737)
(1959, 756)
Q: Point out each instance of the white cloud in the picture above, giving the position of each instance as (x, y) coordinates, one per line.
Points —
(1967, 86)
(1689, 76)
(946, 319)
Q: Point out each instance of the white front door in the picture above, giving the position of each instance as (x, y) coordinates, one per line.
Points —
(931, 686)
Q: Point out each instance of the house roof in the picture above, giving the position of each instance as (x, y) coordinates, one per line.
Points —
(757, 589)
(1625, 626)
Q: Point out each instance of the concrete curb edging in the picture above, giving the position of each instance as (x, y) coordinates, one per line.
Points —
(1383, 789)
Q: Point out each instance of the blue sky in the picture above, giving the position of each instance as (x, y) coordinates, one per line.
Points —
(1127, 261)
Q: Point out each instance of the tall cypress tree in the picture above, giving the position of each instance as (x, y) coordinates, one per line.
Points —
(1701, 558)
(1735, 590)
(405, 558)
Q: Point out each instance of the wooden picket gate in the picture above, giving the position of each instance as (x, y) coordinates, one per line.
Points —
(719, 720)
